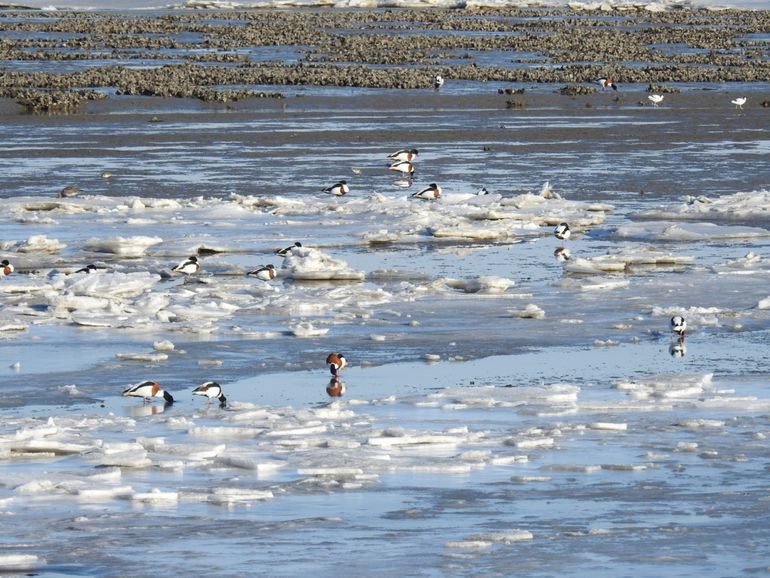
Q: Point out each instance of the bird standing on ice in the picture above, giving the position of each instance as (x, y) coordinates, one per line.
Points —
(147, 390)
(265, 273)
(739, 102)
(562, 232)
(286, 250)
(429, 193)
(335, 361)
(404, 155)
(606, 83)
(655, 99)
(338, 189)
(211, 390)
(438, 81)
(678, 325)
(188, 267)
(6, 269)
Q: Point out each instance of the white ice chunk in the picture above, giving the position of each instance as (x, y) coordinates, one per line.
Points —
(123, 246)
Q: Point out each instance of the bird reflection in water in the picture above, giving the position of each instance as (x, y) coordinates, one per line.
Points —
(146, 409)
(677, 348)
(562, 254)
(335, 388)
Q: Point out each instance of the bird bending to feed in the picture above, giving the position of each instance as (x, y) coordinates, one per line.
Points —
(404, 167)
(438, 81)
(211, 390)
(336, 361)
(286, 250)
(656, 99)
(678, 325)
(265, 273)
(188, 267)
(6, 269)
(430, 193)
(606, 83)
(147, 390)
(404, 155)
(69, 191)
(562, 232)
(482, 191)
(739, 102)
(338, 189)
(335, 388)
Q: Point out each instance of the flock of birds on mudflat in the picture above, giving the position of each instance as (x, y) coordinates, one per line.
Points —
(402, 162)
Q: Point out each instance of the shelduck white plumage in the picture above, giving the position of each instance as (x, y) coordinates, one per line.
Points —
(335, 361)
(438, 81)
(211, 390)
(189, 266)
(739, 102)
(606, 83)
(286, 250)
(265, 273)
(429, 193)
(338, 189)
(404, 155)
(678, 325)
(562, 231)
(147, 390)
(403, 167)
(6, 268)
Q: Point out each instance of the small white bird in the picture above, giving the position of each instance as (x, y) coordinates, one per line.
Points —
(562, 231)
(656, 99)
(404, 155)
(211, 390)
(404, 167)
(338, 189)
(678, 325)
(482, 191)
(147, 390)
(438, 81)
(429, 193)
(739, 102)
(265, 273)
(188, 267)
